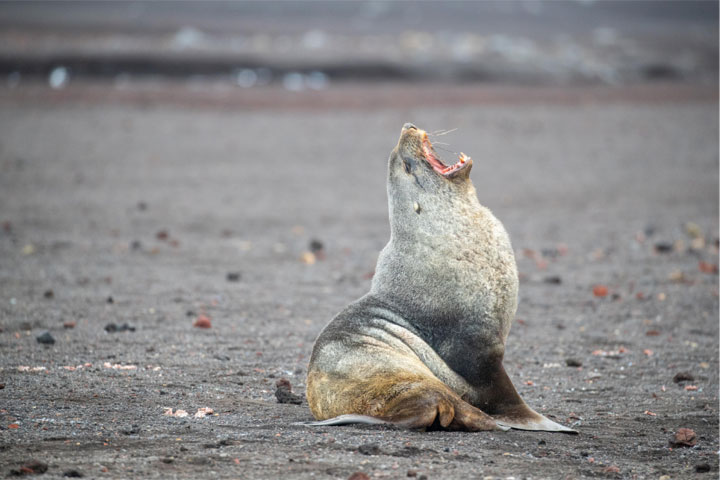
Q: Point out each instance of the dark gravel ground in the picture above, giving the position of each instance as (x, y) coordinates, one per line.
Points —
(138, 214)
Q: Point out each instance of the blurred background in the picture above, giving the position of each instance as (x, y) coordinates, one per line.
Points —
(163, 163)
(225, 48)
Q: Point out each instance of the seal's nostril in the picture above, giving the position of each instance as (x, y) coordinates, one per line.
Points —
(408, 126)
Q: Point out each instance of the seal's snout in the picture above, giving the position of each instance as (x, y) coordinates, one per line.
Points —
(415, 140)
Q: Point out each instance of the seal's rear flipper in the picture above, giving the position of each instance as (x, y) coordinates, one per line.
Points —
(503, 403)
(350, 419)
(347, 419)
(408, 397)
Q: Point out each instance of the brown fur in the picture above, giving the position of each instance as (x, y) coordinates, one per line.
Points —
(411, 400)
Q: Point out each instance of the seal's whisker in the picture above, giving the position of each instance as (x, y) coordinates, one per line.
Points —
(445, 149)
(440, 133)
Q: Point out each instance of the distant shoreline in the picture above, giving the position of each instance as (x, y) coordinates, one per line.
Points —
(352, 96)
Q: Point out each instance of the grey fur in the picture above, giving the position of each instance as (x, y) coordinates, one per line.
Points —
(445, 288)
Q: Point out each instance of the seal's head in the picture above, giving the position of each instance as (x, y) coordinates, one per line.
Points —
(425, 194)
(415, 155)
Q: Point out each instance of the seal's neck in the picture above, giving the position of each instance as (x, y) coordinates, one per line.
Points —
(440, 258)
(434, 214)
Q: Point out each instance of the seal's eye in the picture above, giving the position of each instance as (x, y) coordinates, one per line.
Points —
(406, 166)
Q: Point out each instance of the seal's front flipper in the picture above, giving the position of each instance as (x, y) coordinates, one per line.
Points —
(507, 408)
(528, 419)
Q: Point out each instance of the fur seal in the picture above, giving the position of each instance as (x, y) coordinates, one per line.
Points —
(424, 347)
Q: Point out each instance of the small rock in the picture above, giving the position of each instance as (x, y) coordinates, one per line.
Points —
(233, 276)
(316, 246)
(112, 328)
(203, 412)
(663, 247)
(284, 393)
(69, 325)
(202, 321)
(72, 474)
(600, 291)
(369, 449)
(142, 206)
(358, 476)
(702, 468)
(553, 280)
(693, 229)
(308, 258)
(162, 235)
(33, 467)
(222, 443)
(683, 377)
(697, 243)
(45, 338)
(179, 413)
(136, 245)
(412, 473)
(573, 362)
(684, 437)
(49, 294)
(708, 267)
(110, 300)
(133, 430)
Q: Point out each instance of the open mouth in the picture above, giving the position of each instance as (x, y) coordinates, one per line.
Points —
(447, 171)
